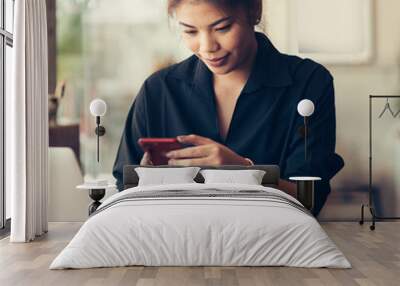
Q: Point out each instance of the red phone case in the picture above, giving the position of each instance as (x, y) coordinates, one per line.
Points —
(158, 147)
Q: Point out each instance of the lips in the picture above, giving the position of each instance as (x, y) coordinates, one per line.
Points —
(215, 59)
(217, 62)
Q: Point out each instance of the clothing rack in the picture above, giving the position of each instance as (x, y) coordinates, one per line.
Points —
(370, 202)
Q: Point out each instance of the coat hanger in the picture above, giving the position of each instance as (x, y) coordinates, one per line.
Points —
(387, 107)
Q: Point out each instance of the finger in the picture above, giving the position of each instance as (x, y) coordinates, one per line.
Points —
(146, 159)
(189, 162)
(189, 152)
(142, 161)
(194, 139)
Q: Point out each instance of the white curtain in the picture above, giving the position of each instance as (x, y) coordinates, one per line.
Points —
(27, 123)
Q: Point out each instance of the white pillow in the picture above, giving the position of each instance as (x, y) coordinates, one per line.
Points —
(162, 176)
(248, 177)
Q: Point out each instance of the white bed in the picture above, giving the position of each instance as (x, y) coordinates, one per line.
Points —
(239, 229)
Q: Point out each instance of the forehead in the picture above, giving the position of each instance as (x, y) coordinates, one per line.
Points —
(201, 13)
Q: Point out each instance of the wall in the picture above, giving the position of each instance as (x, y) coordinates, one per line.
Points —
(117, 55)
(353, 85)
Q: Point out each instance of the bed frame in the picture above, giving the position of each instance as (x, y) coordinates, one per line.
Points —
(270, 179)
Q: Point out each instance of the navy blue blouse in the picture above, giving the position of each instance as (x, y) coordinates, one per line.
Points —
(180, 100)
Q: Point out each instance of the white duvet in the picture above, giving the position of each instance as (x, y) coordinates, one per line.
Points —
(200, 231)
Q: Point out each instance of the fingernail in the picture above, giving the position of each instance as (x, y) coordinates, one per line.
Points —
(171, 162)
(169, 154)
(180, 138)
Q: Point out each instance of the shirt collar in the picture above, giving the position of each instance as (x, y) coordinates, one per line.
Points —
(270, 69)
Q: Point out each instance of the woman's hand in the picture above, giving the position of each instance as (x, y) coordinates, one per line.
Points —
(205, 152)
(146, 160)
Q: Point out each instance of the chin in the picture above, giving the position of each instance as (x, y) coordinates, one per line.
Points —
(220, 70)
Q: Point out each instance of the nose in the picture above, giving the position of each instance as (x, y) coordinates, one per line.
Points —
(208, 44)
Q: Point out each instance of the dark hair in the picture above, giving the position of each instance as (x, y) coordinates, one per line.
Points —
(252, 7)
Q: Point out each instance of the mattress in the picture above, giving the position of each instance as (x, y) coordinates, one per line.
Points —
(201, 225)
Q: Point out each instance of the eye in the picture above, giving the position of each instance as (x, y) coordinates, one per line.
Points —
(225, 28)
(190, 32)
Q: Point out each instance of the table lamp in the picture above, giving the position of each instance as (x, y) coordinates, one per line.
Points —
(305, 108)
(305, 185)
(98, 108)
(97, 188)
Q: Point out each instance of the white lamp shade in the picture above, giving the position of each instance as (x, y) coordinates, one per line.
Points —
(98, 107)
(305, 107)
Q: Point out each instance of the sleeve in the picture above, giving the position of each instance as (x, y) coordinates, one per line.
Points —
(129, 151)
(322, 161)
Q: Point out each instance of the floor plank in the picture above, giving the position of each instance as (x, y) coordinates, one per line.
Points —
(375, 257)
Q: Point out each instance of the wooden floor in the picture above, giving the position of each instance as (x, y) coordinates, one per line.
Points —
(375, 257)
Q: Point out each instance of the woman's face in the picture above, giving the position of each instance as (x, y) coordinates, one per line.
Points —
(223, 40)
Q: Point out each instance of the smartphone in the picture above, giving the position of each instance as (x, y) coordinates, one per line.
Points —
(158, 147)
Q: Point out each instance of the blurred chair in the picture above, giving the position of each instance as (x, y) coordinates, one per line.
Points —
(66, 203)
(65, 136)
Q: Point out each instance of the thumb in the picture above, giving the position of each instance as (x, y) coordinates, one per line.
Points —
(194, 139)
(146, 159)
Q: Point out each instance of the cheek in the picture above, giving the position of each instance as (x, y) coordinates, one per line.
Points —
(191, 43)
(229, 44)
(233, 41)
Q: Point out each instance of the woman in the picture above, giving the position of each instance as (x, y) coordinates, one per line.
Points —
(237, 99)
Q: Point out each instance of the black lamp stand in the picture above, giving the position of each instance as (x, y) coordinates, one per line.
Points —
(305, 185)
(96, 195)
(305, 137)
(305, 193)
(100, 131)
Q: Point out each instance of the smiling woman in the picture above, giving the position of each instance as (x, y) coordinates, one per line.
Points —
(236, 97)
(223, 38)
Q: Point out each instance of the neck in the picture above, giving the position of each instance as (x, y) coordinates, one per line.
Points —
(242, 72)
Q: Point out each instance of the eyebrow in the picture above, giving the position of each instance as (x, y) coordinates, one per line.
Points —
(211, 25)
